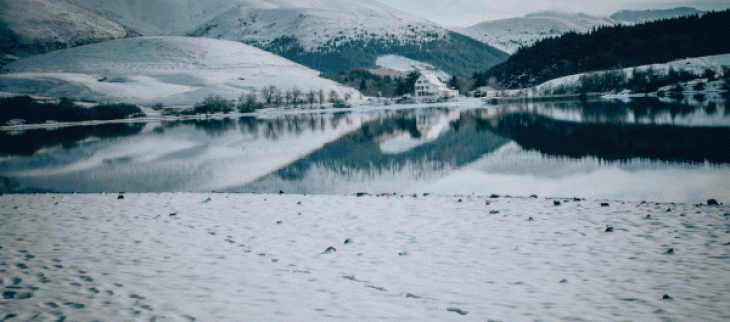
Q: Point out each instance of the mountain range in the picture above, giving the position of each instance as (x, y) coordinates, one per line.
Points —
(327, 35)
(513, 33)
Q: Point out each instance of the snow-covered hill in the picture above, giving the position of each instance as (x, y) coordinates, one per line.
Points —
(317, 25)
(37, 26)
(640, 16)
(168, 70)
(511, 34)
(158, 17)
(696, 66)
(327, 35)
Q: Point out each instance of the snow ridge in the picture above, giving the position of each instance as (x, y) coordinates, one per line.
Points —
(513, 33)
(318, 26)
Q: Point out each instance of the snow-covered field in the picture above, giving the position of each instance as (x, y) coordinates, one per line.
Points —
(167, 70)
(247, 257)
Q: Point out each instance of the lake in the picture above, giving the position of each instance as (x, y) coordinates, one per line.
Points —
(640, 150)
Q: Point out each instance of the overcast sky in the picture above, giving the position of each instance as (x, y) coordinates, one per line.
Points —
(468, 12)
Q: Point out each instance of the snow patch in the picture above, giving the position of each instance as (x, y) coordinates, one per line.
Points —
(406, 65)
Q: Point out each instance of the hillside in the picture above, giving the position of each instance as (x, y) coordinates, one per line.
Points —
(641, 16)
(511, 34)
(614, 47)
(158, 17)
(328, 35)
(30, 27)
(149, 70)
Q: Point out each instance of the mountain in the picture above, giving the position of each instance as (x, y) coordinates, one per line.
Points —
(166, 69)
(30, 27)
(640, 16)
(158, 17)
(614, 47)
(511, 34)
(328, 35)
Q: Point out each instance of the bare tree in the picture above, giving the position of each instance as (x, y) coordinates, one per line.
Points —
(247, 103)
(288, 97)
(334, 96)
(296, 93)
(268, 93)
(277, 98)
(311, 97)
(320, 95)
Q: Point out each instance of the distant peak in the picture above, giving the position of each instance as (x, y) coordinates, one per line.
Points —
(553, 13)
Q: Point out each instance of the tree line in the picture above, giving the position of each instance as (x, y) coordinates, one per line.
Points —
(271, 96)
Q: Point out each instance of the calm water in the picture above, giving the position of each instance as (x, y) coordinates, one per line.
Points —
(644, 150)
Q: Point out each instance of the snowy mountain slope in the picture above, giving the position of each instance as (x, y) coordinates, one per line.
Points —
(511, 34)
(640, 16)
(37, 26)
(158, 17)
(317, 24)
(694, 65)
(406, 65)
(333, 36)
(148, 70)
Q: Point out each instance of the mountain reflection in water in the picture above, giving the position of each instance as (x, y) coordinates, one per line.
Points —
(547, 148)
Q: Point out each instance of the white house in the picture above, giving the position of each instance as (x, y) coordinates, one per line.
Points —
(430, 86)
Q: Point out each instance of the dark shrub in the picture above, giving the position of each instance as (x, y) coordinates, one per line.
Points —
(214, 104)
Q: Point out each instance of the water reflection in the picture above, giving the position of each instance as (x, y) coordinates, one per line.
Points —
(30, 142)
(596, 149)
(408, 146)
(617, 142)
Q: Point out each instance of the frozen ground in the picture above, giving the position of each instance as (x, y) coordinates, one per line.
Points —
(245, 257)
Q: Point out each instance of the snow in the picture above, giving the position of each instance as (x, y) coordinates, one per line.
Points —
(511, 34)
(696, 65)
(313, 22)
(46, 21)
(234, 257)
(318, 25)
(158, 17)
(406, 65)
(149, 70)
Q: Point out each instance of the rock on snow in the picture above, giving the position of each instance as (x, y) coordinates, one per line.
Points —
(92, 256)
